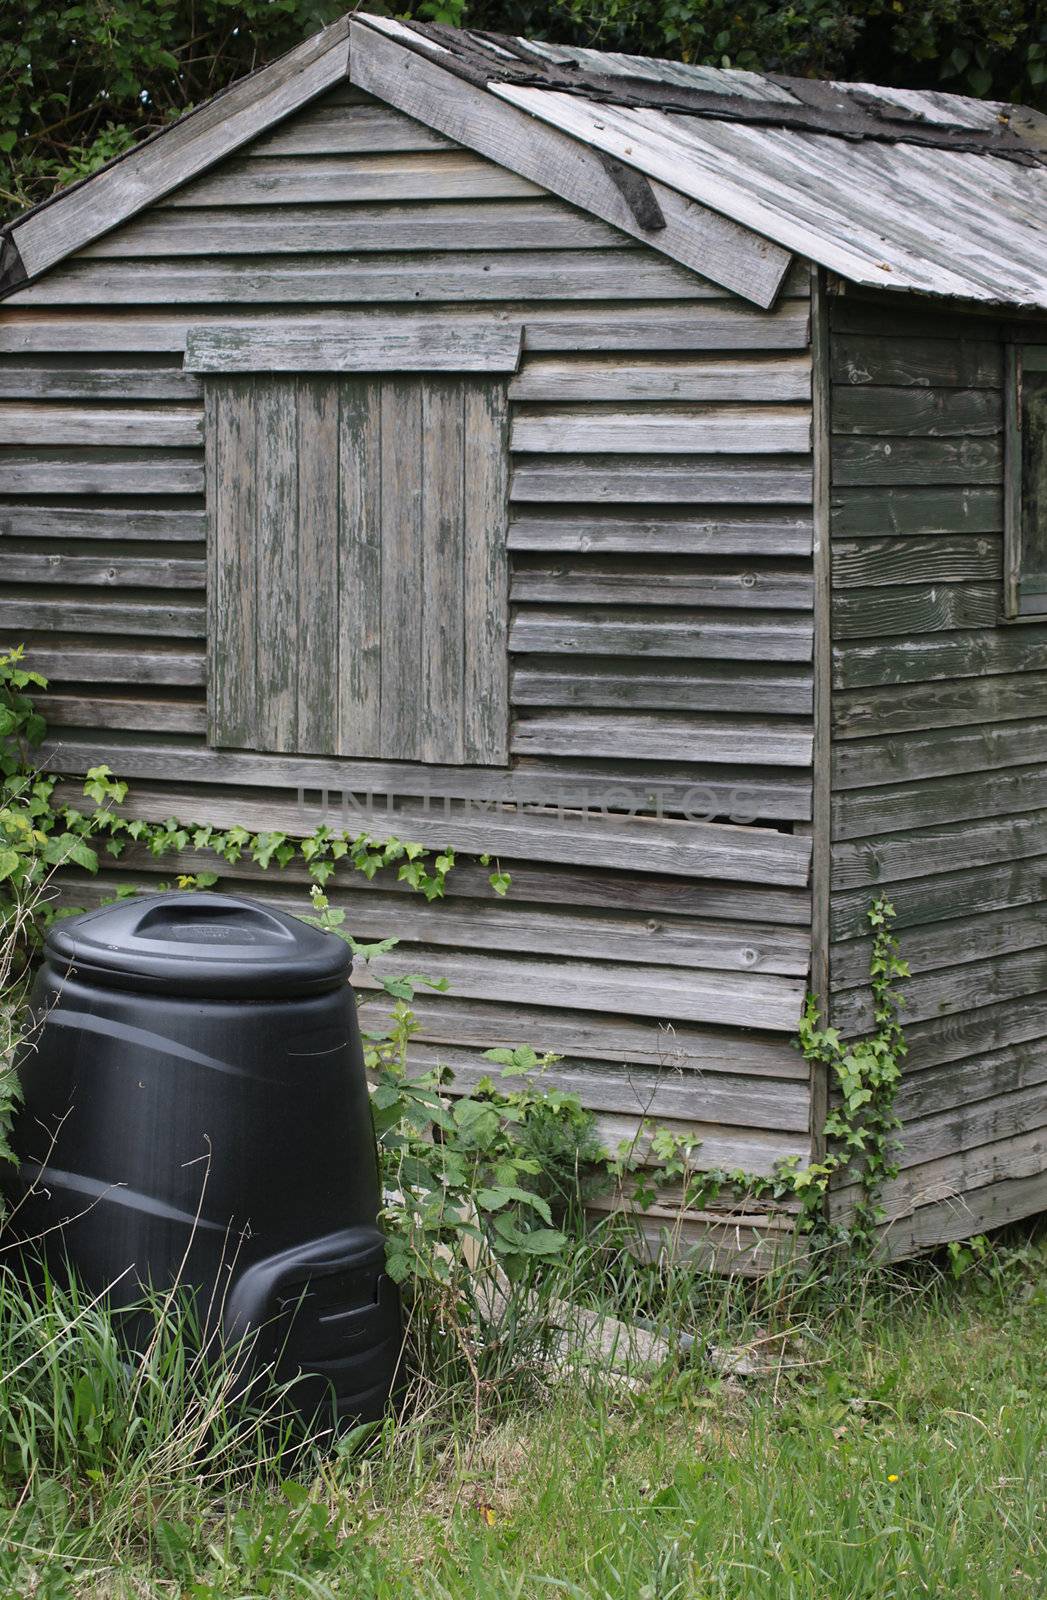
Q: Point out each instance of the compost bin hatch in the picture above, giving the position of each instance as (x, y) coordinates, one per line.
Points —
(200, 944)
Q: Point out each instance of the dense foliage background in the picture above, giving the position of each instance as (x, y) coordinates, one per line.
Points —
(81, 82)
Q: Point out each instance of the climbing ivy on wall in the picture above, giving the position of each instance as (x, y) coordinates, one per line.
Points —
(39, 833)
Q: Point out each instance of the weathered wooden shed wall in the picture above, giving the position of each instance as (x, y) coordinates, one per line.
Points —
(939, 721)
(661, 593)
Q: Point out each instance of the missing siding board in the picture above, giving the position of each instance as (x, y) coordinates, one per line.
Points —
(358, 567)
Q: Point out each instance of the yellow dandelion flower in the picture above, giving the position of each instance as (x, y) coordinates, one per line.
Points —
(892, 1477)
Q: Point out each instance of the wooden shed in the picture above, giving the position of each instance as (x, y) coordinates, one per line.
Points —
(634, 471)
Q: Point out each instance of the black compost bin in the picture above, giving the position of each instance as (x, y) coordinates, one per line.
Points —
(196, 1111)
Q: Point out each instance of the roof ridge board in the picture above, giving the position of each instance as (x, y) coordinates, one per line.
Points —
(482, 58)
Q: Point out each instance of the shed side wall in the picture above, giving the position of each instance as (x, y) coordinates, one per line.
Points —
(661, 597)
(939, 762)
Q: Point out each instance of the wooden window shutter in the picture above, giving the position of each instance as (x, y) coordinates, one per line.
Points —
(358, 583)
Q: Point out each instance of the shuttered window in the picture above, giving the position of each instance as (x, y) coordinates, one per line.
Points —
(358, 573)
(1027, 482)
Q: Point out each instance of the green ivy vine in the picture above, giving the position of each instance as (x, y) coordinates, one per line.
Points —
(37, 835)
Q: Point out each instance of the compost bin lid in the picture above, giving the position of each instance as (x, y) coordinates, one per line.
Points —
(197, 944)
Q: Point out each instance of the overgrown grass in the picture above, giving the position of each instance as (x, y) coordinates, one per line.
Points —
(890, 1442)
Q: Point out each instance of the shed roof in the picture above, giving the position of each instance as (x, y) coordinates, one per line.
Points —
(903, 190)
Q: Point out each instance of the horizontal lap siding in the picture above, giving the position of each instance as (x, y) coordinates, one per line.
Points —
(939, 766)
(660, 544)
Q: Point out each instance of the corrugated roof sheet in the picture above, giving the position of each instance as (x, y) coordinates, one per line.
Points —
(896, 189)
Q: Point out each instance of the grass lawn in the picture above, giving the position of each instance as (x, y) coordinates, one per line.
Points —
(894, 1446)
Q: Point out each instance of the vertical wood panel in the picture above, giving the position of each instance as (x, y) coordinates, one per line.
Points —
(401, 566)
(276, 534)
(486, 586)
(360, 569)
(440, 730)
(317, 565)
(231, 490)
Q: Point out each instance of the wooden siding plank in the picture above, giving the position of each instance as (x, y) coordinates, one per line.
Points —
(633, 1041)
(904, 512)
(957, 655)
(588, 582)
(85, 614)
(111, 711)
(119, 382)
(444, 616)
(938, 705)
(908, 609)
(269, 180)
(703, 634)
(1004, 1025)
(159, 165)
(938, 753)
(617, 685)
(702, 482)
(610, 534)
(661, 737)
(867, 462)
(765, 1002)
(360, 568)
(152, 662)
(101, 425)
(109, 522)
(767, 378)
(896, 807)
(328, 129)
(328, 279)
(399, 344)
(886, 360)
(917, 412)
(944, 848)
(142, 572)
(703, 240)
(857, 563)
(541, 223)
(720, 430)
(317, 589)
(726, 328)
(485, 684)
(102, 472)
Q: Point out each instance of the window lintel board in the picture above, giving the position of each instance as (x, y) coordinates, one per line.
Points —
(358, 345)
